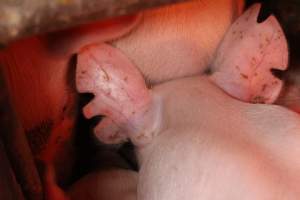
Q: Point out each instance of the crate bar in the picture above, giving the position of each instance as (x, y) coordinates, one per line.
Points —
(17, 148)
(9, 188)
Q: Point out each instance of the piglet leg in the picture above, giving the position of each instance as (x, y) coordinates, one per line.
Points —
(121, 95)
(246, 56)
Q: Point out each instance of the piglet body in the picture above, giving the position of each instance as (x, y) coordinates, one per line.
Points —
(219, 148)
(179, 40)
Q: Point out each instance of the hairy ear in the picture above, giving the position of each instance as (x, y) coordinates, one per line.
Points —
(246, 56)
(121, 95)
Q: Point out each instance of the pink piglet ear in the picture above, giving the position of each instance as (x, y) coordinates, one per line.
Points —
(121, 95)
(246, 56)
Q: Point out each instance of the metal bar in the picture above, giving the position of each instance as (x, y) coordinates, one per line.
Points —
(9, 188)
(19, 18)
(17, 148)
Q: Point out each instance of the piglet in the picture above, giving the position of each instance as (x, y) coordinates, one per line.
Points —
(199, 137)
(166, 43)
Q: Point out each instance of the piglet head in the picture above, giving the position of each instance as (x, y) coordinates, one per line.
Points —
(247, 55)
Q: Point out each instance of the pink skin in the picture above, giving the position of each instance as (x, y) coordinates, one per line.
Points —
(218, 143)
